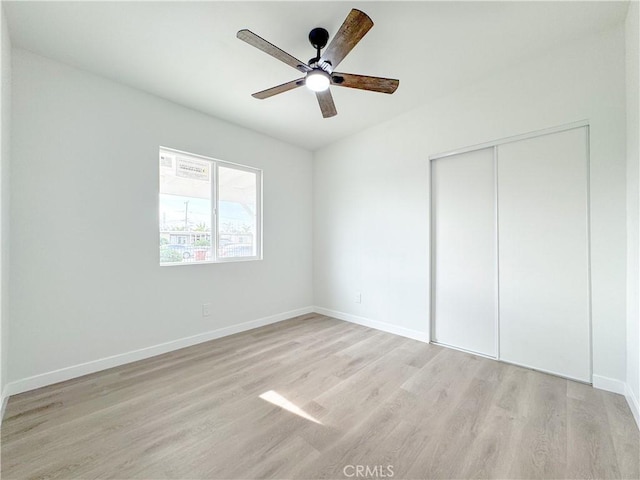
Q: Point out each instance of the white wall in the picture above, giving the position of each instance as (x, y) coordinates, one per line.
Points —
(5, 147)
(85, 278)
(371, 218)
(633, 213)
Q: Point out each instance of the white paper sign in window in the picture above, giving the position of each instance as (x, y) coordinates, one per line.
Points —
(192, 168)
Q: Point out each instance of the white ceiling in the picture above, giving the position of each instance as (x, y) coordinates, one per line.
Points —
(188, 52)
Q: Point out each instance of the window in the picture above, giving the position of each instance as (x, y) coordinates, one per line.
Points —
(210, 211)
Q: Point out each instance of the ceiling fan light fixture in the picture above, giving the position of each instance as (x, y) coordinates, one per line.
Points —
(317, 80)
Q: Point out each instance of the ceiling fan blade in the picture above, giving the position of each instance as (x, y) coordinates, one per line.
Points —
(363, 82)
(325, 100)
(354, 27)
(261, 44)
(285, 87)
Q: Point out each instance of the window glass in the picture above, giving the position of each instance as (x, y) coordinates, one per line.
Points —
(237, 211)
(190, 226)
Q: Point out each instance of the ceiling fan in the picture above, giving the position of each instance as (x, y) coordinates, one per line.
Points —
(319, 72)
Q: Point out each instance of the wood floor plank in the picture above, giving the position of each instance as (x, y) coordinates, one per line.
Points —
(495, 445)
(542, 441)
(154, 389)
(457, 434)
(591, 452)
(624, 433)
(306, 398)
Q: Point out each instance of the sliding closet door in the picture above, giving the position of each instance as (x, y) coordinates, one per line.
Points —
(543, 253)
(464, 251)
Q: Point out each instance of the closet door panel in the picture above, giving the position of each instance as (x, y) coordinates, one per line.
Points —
(543, 253)
(464, 251)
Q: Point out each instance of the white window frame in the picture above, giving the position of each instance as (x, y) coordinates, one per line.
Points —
(215, 164)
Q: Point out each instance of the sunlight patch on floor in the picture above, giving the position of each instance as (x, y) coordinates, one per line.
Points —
(277, 399)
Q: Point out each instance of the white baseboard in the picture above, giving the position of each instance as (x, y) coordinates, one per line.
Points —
(633, 404)
(618, 386)
(74, 371)
(4, 398)
(385, 327)
(609, 384)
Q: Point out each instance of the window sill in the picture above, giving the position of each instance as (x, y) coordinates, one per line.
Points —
(207, 262)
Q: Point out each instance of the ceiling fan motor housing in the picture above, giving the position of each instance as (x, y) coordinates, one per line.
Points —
(318, 38)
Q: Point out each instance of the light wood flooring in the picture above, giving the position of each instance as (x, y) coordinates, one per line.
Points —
(353, 396)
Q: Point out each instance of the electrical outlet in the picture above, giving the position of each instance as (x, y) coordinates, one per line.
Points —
(206, 309)
(358, 297)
